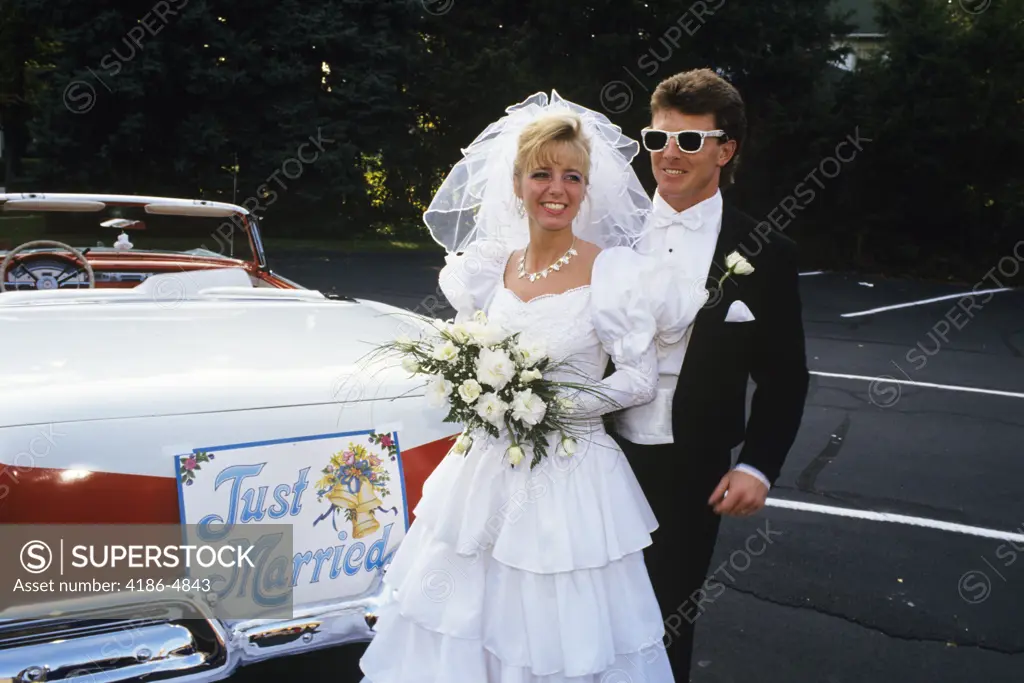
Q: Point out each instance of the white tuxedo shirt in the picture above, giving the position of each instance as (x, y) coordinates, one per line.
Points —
(683, 241)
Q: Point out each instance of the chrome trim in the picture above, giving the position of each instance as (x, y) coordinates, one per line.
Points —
(256, 241)
(191, 649)
(284, 633)
(109, 657)
(130, 199)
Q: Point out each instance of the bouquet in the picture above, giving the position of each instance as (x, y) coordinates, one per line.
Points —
(497, 383)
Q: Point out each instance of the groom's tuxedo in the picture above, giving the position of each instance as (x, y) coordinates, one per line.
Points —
(680, 444)
(750, 327)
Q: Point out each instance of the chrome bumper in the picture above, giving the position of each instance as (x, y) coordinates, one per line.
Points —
(99, 642)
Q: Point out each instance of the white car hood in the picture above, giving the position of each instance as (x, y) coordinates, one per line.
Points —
(121, 359)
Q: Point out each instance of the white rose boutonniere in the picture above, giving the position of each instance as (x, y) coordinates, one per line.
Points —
(736, 264)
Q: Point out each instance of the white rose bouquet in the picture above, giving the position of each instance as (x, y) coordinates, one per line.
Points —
(495, 382)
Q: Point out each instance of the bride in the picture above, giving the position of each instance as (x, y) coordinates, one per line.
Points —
(530, 575)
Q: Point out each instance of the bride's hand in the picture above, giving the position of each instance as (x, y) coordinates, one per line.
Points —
(746, 495)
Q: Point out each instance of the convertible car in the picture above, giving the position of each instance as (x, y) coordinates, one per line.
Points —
(157, 373)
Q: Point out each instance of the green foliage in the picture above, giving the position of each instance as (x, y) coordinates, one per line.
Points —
(944, 105)
(216, 99)
(217, 86)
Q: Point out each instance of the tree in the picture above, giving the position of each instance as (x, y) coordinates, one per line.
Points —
(944, 104)
(199, 97)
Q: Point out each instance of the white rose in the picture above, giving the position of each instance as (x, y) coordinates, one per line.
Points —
(462, 444)
(410, 365)
(404, 339)
(470, 390)
(459, 331)
(445, 352)
(480, 317)
(494, 368)
(568, 446)
(485, 334)
(566, 404)
(530, 351)
(438, 391)
(515, 455)
(527, 376)
(527, 407)
(738, 264)
(491, 409)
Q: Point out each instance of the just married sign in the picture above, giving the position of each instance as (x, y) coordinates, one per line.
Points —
(342, 495)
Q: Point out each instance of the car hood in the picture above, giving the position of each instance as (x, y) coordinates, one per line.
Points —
(122, 359)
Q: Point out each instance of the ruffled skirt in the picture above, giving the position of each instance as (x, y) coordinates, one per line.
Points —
(513, 575)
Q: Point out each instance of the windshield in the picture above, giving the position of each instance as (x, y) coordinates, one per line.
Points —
(127, 230)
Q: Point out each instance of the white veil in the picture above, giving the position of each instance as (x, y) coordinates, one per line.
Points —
(477, 200)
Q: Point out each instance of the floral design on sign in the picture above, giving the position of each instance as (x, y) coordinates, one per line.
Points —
(386, 442)
(192, 464)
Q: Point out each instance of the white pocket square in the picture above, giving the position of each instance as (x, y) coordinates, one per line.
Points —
(738, 313)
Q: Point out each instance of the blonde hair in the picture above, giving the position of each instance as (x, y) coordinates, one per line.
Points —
(541, 140)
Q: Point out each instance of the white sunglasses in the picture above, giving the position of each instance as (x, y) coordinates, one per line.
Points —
(689, 141)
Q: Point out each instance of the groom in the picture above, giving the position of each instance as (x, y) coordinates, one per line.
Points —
(680, 444)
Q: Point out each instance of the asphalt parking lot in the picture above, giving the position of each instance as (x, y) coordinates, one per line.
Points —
(891, 546)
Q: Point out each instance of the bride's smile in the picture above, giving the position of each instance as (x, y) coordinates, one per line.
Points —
(552, 193)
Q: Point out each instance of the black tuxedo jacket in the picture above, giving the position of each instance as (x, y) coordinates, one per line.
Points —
(709, 405)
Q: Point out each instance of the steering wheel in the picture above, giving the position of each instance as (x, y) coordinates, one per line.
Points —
(79, 256)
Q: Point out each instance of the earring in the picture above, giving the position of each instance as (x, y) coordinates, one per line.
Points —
(520, 208)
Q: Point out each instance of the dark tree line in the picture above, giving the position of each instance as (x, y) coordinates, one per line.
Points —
(215, 98)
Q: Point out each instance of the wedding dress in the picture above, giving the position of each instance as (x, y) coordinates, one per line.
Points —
(520, 575)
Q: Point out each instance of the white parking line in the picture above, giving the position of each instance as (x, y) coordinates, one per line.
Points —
(898, 519)
(886, 379)
(926, 301)
(815, 272)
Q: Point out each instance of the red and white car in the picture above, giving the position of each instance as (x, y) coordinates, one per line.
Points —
(148, 382)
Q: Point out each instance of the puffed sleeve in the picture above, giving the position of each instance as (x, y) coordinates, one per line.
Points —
(675, 300)
(469, 279)
(624, 320)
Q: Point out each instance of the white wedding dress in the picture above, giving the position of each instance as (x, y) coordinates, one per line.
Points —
(513, 575)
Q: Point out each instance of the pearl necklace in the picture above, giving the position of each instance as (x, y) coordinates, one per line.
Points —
(557, 265)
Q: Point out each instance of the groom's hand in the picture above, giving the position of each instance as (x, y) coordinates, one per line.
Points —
(746, 495)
